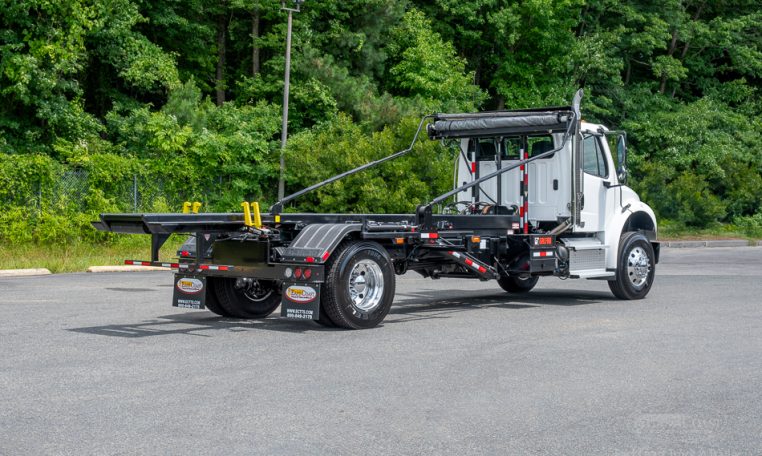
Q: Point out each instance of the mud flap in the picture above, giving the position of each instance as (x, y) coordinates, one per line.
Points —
(300, 301)
(190, 291)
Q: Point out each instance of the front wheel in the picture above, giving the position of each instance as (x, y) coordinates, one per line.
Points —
(359, 285)
(247, 298)
(635, 267)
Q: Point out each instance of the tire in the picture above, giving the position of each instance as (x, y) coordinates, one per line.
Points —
(324, 319)
(635, 267)
(212, 303)
(515, 284)
(247, 299)
(359, 286)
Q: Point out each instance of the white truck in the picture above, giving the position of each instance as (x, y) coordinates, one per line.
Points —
(578, 193)
(537, 194)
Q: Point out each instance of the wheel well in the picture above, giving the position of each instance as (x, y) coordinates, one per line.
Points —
(640, 221)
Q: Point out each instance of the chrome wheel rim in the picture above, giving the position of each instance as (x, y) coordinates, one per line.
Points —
(366, 285)
(638, 267)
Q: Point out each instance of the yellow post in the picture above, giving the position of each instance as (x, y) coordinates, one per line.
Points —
(257, 215)
(246, 214)
(196, 206)
(186, 207)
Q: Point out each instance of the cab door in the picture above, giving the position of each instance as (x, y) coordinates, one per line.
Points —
(596, 171)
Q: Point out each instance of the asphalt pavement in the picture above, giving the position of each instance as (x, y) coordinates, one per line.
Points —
(102, 364)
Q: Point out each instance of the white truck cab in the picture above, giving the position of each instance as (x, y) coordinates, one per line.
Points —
(580, 188)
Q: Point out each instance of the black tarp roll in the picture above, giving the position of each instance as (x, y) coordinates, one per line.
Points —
(460, 126)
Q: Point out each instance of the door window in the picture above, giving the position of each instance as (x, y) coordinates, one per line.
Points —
(593, 161)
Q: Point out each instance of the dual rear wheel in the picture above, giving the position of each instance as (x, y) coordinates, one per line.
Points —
(357, 294)
(242, 297)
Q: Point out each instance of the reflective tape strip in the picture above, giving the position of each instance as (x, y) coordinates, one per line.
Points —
(543, 253)
(214, 267)
(429, 235)
(455, 254)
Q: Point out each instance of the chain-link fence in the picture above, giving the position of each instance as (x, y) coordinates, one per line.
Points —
(72, 189)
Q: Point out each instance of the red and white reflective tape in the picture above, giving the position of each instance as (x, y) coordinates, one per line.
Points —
(469, 262)
(429, 235)
(543, 253)
(150, 263)
(214, 267)
(137, 263)
(522, 188)
(525, 197)
(475, 265)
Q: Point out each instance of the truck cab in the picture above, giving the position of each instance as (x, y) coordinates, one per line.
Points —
(606, 207)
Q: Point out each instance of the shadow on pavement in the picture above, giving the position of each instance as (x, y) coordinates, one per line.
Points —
(195, 324)
(431, 304)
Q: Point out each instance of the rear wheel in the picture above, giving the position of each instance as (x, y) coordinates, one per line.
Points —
(517, 284)
(246, 297)
(635, 269)
(359, 286)
(212, 303)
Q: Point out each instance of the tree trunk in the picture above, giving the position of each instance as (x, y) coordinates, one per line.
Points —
(220, 76)
(687, 45)
(672, 47)
(254, 45)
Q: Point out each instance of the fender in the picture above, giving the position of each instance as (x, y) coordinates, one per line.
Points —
(316, 242)
(637, 217)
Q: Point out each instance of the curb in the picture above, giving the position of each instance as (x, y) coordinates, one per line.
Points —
(719, 243)
(23, 272)
(126, 268)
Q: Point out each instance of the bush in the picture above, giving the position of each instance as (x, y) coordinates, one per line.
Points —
(751, 225)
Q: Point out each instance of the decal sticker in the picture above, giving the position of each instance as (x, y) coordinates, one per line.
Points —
(300, 294)
(190, 285)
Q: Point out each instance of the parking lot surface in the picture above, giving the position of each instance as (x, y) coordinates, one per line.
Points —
(102, 364)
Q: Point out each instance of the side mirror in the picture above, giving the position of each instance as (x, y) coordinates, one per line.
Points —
(621, 158)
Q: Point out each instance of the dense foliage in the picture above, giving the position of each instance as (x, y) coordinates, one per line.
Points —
(183, 96)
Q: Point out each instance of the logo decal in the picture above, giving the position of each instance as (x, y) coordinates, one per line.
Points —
(300, 294)
(189, 285)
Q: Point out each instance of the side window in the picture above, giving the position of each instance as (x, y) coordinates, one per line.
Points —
(539, 144)
(593, 161)
(486, 149)
(535, 146)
